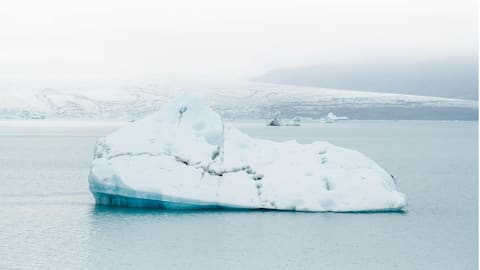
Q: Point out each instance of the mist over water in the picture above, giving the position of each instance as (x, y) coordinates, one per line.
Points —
(451, 77)
(218, 40)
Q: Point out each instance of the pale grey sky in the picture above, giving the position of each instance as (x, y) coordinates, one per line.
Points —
(53, 39)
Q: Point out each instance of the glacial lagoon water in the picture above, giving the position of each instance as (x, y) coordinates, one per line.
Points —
(48, 219)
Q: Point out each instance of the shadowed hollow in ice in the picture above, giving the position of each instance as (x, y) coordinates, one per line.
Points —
(185, 157)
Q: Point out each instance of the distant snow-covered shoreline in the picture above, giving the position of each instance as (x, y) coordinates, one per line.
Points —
(235, 101)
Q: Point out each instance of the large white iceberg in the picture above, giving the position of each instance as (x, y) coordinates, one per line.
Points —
(185, 157)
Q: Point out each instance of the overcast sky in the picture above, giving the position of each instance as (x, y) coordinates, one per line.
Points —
(222, 39)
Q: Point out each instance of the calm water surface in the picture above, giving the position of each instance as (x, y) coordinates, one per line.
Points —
(48, 219)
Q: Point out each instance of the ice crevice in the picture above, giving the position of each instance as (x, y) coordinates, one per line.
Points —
(196, 164)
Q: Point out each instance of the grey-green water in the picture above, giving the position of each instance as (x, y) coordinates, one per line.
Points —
(48, 219)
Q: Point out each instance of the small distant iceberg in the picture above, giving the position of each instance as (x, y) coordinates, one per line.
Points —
(332, 118)
(294, 122)
(276, 120)
(186, 157)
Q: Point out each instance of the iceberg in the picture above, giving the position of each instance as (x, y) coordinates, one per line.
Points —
(331, 118)
(185, 156)
(276, 120)
(294, 122)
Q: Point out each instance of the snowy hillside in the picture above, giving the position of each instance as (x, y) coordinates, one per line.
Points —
(246, 100)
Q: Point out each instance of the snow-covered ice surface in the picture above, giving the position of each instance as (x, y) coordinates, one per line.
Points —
(185, 156)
